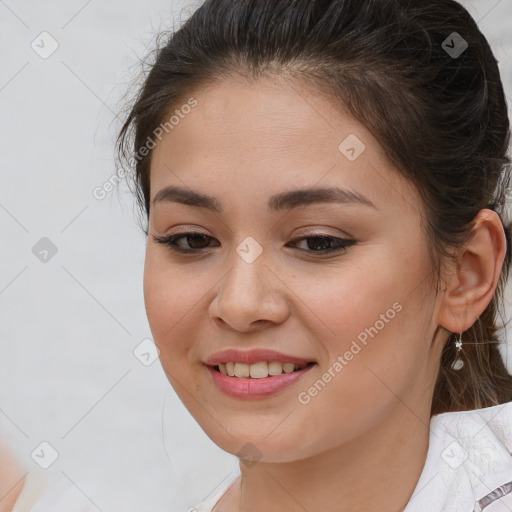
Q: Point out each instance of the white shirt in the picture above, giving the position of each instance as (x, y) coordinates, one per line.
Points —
(468, 466)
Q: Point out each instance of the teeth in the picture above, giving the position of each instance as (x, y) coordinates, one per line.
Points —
(258, 370)
(288, 367)
(275, 368)
(242, 370)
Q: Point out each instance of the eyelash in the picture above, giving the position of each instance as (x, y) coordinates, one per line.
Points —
(170, 240)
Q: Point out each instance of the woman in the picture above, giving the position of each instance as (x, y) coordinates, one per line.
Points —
(323, 183)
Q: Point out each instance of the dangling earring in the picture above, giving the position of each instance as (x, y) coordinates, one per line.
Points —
(458, 363)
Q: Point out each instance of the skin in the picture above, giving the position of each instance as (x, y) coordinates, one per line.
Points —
(362, 441)
(11, 479)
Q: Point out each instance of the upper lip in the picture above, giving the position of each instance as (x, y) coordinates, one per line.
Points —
(232, 355)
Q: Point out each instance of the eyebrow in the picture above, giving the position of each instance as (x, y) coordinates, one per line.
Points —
(278, 202)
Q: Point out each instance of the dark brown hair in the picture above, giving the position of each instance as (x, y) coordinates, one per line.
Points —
(440, 115)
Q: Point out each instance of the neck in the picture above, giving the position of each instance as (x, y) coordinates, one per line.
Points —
(376, 471)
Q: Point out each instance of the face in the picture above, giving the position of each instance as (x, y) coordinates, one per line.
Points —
(339, 281)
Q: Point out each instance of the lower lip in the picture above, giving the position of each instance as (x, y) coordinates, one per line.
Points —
(255, 388)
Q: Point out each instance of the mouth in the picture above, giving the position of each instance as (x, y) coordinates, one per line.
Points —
(259, 370)
(257, 380)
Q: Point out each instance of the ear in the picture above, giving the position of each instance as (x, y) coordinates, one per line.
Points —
(473, 278)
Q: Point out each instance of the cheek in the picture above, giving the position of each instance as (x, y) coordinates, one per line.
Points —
(170, 298)
(375, 318)
(172, 307)
(355, 304)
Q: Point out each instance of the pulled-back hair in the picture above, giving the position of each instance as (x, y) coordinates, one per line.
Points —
(440, 116)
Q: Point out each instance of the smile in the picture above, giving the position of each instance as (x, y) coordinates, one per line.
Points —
(259, 370)
(256, 380)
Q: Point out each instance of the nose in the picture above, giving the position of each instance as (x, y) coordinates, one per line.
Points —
(251, 296)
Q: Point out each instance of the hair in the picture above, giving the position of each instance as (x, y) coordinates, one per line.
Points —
(441, 119)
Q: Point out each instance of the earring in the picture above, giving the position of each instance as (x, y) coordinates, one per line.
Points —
(458, 363)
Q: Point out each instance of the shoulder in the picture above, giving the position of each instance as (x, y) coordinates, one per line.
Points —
(469, 462)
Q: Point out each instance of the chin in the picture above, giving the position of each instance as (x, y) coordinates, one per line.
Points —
(255, 444)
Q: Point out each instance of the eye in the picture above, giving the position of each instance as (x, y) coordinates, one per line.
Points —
(325, 244)
(198, 242)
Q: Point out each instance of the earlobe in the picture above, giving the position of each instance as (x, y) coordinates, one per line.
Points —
(472, 284)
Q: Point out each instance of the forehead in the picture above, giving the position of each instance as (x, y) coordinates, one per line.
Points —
(233, 114)
(268, 135)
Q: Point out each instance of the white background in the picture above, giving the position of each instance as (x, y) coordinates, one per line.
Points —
(68, 327)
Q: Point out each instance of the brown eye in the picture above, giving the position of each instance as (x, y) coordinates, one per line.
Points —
(197, 240)
(324, 244)
(193, 242)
